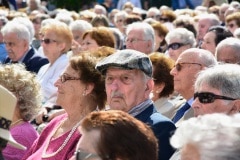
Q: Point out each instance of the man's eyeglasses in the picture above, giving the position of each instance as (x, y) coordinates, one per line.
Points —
(208, 97)
(80, 155)
(48, 41)
(175, 46)
(179, 66)
(65, 78)
(133, 40)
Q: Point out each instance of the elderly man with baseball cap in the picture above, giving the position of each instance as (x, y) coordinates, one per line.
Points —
(128, 85)
(7, 105)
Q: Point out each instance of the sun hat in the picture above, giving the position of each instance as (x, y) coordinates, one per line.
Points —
(7, 105)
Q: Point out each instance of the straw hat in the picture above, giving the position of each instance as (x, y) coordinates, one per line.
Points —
(7, 105)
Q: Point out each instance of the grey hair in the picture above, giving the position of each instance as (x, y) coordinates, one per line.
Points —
(38, 2)
(123, 14)
(25, 86)
(216, 136)
(65, 17)
(148, 31)
(182, 34)
(154, 10)
(16, 28)
(224, 77)
(212, 18)
(80, 25)
(25, 21)
(232, 42)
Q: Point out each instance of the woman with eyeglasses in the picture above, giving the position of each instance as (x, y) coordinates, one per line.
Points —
(115, 135)
(217, 90)
(80, 90)
(56, 42)
(179, 40)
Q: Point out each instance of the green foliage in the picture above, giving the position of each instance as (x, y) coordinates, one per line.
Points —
(75, 5)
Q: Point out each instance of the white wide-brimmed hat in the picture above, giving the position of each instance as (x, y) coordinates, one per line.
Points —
(7, 105)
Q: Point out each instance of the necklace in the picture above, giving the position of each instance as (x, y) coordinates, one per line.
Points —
(16, 122)
(44, 154)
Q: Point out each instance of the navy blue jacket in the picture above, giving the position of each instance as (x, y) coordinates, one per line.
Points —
(163, 129)
(32, 61)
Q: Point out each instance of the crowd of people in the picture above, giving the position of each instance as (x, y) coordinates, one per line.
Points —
(133, 82)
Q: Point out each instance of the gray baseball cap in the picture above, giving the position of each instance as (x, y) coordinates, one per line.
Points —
(126, 59)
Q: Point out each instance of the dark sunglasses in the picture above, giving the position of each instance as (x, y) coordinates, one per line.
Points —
(48, 41)
(179, 66)
(175, 46)
(164, 19)
(65, 78)
(208, 97)
(80, 155)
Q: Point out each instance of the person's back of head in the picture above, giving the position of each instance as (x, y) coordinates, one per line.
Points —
(199, 138)
(227, 50)
(114, 127)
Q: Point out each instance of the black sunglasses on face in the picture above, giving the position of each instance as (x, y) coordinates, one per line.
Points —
(179, 66)
(175, 46)
(208, 97)
(48, 41)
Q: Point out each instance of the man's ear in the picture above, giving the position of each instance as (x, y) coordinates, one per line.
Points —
(235, 107)
(149, 87)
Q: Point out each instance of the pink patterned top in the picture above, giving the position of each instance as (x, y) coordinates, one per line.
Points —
(24, 134)
(37, 151)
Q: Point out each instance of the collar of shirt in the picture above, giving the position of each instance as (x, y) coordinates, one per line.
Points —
(141, 107)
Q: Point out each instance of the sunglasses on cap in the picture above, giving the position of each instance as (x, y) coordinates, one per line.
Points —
(175, 46)
(208, 97)
(179, 66)
(48, 41)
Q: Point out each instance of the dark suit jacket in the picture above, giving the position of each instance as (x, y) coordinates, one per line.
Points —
(32, 61)
(163, 129)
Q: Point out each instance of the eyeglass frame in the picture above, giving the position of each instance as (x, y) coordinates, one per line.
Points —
(64, 77)
(87, 155)
(48, 41)
(213, 97)
(178, 66)
(179, 45)
(133, 40)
